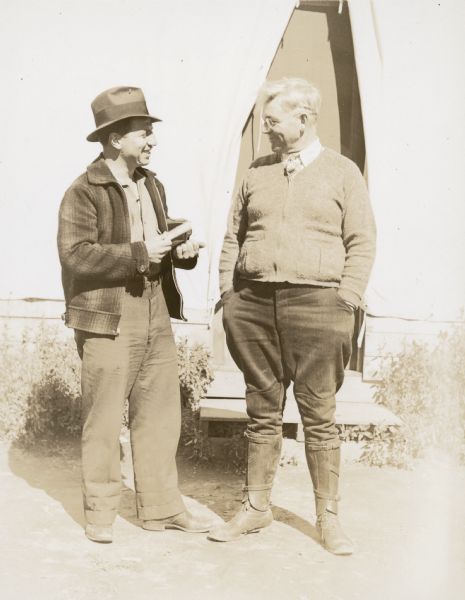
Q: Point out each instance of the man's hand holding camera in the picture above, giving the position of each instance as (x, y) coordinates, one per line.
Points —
(157, 247)
(160, 245)
(189, 249)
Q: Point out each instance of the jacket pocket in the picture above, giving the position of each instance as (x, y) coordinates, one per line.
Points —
(254, 256)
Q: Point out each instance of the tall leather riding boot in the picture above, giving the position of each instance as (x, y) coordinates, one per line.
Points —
(263, 453)
(324, 471)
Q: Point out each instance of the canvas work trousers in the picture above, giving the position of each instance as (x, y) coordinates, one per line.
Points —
(278, 333)
(139, 364)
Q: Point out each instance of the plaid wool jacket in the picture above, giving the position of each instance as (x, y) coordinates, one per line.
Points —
(97, 256)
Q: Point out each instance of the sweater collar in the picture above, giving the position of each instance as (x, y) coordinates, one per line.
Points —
(98, 172)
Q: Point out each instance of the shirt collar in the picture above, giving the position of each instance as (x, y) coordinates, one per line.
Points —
(309, 153)
(138, 177)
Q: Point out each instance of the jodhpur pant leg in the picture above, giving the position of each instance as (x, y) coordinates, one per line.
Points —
(254, 344)
(315, 328)
(277, 333)
(139, 363)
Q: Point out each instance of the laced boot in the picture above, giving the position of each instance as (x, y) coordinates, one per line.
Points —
(324, 470)
(331, 534)
(263, 453)
(247, 520)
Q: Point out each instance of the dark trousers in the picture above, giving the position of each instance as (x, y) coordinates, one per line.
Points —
(278, 333)
(140, 364)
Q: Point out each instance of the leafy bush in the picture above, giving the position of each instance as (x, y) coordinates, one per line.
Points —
(40, 385)
(195, 375)
(195, 372)
(425, 388)
(382, 444)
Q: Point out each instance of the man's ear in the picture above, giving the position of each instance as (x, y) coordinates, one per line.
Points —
(303, 122)
(114, 140)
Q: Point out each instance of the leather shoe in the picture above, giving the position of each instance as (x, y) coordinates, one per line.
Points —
(102, 534)
(247, 520)
(332, 536)
(184, 521)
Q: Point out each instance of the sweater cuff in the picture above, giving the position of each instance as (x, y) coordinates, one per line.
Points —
(349, 296)
(141, 256)
(226, 281)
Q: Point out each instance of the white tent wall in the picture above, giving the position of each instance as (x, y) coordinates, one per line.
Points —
(410, 59)
(200, 64)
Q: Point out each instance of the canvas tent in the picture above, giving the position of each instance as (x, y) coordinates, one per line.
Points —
(200, 65)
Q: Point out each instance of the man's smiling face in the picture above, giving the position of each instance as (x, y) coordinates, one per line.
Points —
(136, 145)
(283, 127)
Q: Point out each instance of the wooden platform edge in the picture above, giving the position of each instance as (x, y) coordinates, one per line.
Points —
(352, 414)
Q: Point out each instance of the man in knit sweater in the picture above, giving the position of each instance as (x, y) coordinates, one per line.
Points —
(295, 263)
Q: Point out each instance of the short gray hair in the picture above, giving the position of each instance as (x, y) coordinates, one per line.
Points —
(294, 92)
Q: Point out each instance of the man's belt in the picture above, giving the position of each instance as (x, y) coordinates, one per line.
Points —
(139, 283)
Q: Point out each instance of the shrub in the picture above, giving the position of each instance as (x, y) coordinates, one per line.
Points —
(195, 375)
(425, 388)
(195, 372)
(40, 385)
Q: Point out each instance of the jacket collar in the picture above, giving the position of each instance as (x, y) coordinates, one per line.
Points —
(98, 172)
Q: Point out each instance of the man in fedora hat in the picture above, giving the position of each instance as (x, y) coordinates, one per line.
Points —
(120, 291)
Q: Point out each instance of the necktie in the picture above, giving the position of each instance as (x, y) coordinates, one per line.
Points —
(293, 164)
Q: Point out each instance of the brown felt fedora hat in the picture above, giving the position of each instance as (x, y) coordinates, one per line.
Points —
(116, 104)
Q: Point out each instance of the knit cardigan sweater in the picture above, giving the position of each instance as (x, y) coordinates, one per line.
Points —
(315, 228)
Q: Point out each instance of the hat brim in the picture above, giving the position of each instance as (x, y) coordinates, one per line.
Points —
(94, 136)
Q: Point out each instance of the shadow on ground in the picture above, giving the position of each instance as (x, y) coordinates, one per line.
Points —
(407, 528)
(282, 515)
(54, 467)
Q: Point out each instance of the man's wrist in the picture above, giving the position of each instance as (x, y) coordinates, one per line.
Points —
(225, 294)
(140, 254)
(350, 305)
(349, 298)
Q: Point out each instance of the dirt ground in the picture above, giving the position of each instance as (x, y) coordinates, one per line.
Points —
(409, 529)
